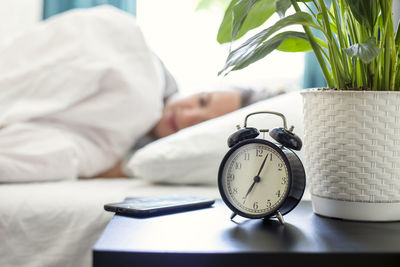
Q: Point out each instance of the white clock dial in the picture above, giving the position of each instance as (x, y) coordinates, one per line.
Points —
(255, 179)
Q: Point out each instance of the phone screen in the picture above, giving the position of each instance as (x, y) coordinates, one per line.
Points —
(153, 206)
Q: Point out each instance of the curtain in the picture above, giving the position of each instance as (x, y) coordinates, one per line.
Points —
(53, 7)
(313, 76)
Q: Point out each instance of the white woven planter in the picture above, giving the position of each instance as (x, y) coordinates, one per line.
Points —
(352, 148)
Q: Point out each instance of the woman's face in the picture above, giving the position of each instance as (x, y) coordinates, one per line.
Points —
(179, 113)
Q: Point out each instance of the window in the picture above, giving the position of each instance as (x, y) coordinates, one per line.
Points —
(185, 39)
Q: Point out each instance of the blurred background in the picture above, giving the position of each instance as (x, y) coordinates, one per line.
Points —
(183, 34)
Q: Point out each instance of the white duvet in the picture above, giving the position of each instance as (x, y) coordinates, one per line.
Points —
(56, 224)
(75, 93)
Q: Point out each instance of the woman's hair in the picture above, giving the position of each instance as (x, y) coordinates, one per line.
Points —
(250, 96)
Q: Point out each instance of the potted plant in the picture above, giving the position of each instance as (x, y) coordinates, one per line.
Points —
(352, 128)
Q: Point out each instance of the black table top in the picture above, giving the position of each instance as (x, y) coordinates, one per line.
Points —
(208, 238)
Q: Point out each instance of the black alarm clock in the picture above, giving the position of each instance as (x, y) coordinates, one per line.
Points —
(261, 179)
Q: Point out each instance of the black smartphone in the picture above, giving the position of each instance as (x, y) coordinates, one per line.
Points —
(155, 206)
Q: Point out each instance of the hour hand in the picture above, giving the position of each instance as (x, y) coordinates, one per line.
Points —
(255, 180)
(248, 191)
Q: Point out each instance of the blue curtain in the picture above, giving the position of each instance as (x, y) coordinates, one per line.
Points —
(53, 7)
(313, 76)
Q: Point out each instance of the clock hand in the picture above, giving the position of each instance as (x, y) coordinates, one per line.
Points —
(255, 180)
(262, 165)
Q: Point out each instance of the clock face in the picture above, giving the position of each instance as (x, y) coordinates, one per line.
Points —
(254, 178)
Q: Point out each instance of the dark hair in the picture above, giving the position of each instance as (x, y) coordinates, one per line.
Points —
(250, 96)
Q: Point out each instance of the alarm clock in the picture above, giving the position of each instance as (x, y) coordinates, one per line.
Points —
(262, 179)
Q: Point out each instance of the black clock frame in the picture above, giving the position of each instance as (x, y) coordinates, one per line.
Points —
(296, 179)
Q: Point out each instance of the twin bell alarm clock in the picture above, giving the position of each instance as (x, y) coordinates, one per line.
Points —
(262, 179)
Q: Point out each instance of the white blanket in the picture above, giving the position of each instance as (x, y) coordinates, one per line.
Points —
(75, 93)
(56, 224)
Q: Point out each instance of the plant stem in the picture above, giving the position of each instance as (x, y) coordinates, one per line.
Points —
(310, 10)
(342, 41)
(352, 39)
(335, 61)
(387, 42)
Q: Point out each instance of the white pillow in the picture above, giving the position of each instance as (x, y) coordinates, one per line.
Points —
(193, 155)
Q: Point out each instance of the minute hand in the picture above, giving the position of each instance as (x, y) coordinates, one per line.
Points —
(256, 179)
(262, 166)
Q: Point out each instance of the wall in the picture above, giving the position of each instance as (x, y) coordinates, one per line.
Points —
(18, 15)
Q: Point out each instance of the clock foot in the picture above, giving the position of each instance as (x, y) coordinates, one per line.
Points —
(280, 217)
(233, 215)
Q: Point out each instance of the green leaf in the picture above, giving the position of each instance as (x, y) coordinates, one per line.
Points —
(254, 50)
(252, 43)
(364, 11)
(240, 11)
(264, 49)
(320, 17)
(282, 6)
(366, 51)
(331, 24)
(225, 29)
(256, 16)
(333, 27)
(296, 44)
(301, 18)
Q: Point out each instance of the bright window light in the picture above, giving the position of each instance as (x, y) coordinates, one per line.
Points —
(185, 39)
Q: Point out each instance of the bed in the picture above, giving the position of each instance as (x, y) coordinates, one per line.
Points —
(56, 223)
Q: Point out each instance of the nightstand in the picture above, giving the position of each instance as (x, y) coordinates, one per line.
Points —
(208, 238)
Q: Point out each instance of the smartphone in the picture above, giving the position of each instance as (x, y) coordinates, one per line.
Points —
(155, 206)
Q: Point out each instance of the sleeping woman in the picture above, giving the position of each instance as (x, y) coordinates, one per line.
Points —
(81, 89)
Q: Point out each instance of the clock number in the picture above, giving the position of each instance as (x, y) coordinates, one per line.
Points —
(255, 205)
(280, 166)
(278, 194)
(246, 156)
(235, 190)
(238, 165)
(269, 204)
(259, 152)
(284, 180)
(231, 177)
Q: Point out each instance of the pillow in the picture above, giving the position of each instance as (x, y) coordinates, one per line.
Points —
(193, 155)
